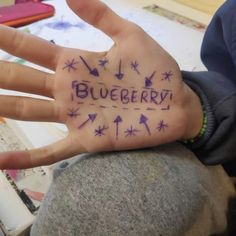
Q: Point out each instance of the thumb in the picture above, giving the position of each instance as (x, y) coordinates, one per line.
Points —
(99, 15)
(47, 155)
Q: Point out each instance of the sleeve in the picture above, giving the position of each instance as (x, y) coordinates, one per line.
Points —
(218, 95)
(218, 51)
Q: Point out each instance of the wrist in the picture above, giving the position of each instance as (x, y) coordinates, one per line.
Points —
(195, 116)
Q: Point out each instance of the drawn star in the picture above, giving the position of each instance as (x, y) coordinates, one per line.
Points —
(162, 126)
(131, 132)
(148, 80)
(70, 65)
(103, 63)
(73, 113)
(167, 76)
(134, 66)
(100, 131)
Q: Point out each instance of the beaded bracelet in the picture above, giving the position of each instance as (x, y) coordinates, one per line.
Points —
(201, 132)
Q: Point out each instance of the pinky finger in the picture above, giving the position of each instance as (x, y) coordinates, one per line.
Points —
(40, 156)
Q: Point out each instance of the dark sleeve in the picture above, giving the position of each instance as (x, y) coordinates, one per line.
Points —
(218, 95)
(218, 51)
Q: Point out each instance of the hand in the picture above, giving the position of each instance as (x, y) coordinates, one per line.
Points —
(129, 97)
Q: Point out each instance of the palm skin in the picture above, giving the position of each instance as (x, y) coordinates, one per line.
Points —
(130, 97)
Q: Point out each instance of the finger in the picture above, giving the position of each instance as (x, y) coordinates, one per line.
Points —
(28, 109)
(21, 78)
(29, 47)
(38, 157)
(99, 15)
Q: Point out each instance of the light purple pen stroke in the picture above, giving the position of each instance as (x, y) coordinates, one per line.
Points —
(94, 71)
(134, 66)
(131, 132)
(103, 63)
(100, 131)
(143, 120)
(117, 122)
(70, 65)
(119, 75)
(162, 126)
(73, 113)
(148, 80)
(167, 75)
(91, 118)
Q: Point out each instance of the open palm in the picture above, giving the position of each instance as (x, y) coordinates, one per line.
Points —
(129, 97)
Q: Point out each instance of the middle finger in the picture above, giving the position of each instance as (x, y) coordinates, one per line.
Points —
(22, 78)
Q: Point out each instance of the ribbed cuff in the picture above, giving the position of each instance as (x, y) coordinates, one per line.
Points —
(211, 123)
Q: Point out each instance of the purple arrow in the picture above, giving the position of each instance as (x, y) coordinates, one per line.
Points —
(117, 121)
(148, 80)
(94, 71)
(91, 117)
(119, 75)
(143, 120)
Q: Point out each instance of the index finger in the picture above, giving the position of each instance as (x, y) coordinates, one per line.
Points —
(29, 47)
(99, 15)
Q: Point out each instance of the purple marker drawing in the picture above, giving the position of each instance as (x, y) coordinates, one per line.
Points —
(167, 76)
(91, 117)
(73, 113)
(100, 131)
(117, 122)
(166, 108)
(74, 83)
(103, 63)
(103, 107)
(119, 75)
(143, 120)
(93, 72)
(150, 109)
(134, 66)
(86, 81)
(70, 65)
(148, 80)
(116, 86)
(162, 126)
(131, 132)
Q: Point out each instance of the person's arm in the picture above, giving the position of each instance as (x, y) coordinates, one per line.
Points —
(217, 88)
(218, 96)
(129, 97)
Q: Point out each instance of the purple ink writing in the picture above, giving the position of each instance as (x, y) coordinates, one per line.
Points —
(93, 72)
(167, 76)
(148, 80)
(119, 75)
(143, 120)
(123, 95)
(103, 63)
(100, 131)
(162, 126)
(73, 113)
(117, 122)
(91, 118)
(131, 132)
(70, 65)
(166, 108)
(134, 66)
